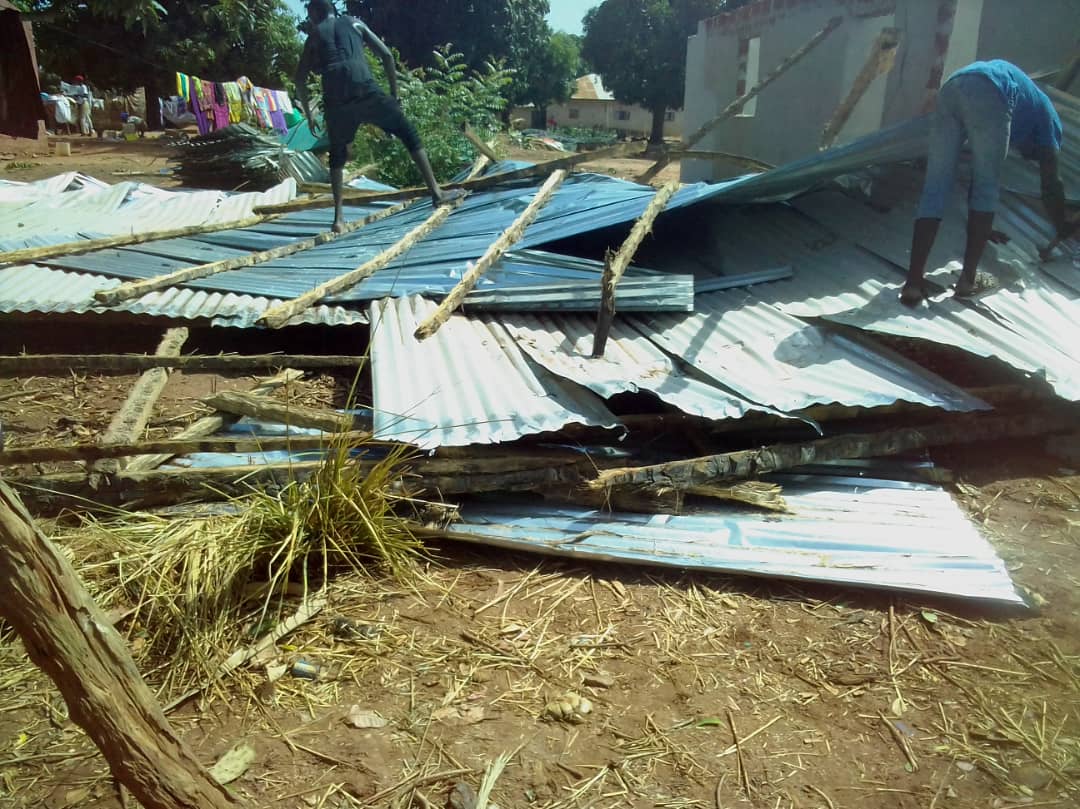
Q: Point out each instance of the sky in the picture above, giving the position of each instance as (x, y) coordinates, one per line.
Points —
(565, 14)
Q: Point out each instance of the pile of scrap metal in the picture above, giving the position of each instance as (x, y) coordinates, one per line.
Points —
(242, 157)
(752, 400)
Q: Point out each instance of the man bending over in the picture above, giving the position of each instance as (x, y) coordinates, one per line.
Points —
(992, 105)
(351, 97)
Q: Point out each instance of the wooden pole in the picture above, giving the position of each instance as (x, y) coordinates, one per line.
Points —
(63, 364)
(880, 61)
(136, 289)
(209, 425)
(277, 316)
(244, 404)
(963, 429)
(735, 106)
(477, 184)
(178, 446)
(131, 420)
(614, 267)
(31, 254)
(68, 636)
(479, 145)
(511, 236)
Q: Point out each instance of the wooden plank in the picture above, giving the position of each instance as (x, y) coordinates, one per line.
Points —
(131, 420)
(511, 236)
(477, 184)
(63, 364)
(277, 316)
(244, 404)
(961, 429)
(879, 62)
(208, 425)
(136, 289)
(179, 446)
(732, 109)
(32, 254)
(72, 640)
(614, 267)
(479, 145)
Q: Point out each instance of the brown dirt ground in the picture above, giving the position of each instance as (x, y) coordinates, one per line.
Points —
(463, 658)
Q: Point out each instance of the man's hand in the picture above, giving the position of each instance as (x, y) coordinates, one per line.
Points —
(312, 125)
(997, 237)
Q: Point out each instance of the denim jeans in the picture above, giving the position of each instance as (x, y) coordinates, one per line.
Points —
(969, 107)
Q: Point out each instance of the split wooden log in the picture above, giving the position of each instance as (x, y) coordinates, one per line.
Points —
(69, 637)
(31, 254)
(961, 429)
(181, 446)
(477, 184)
(136, 289)
(277, 316)
(256, 407)
(732, 109)
(131, 420)
(879, 62)
(616, 265)
(52, 494)
(63, 364)
(209, 425)
(511, 236)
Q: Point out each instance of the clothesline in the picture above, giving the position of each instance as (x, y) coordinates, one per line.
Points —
(216, 105)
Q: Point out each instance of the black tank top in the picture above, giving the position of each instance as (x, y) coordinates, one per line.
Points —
(344, 68)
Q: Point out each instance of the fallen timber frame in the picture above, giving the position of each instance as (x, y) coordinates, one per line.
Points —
(732, 109)
(963, 429)
(136, 289)
(294, 415)
(62, 364)
(277, 316)
(180, 446)
(72, 640)
(476, 184)
(879, 62)
(511, 236)
(32, 254)
(616, 265)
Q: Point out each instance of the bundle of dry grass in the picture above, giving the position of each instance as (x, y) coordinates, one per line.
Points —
(190, 589)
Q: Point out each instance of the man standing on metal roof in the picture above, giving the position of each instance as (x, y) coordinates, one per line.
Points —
(351, 96)
(992, 105)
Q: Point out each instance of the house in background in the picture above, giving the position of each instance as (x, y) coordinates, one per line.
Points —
(730, 53)
(22, 116)
(593, 106)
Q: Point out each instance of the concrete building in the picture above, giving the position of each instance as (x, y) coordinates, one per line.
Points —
(593, 106)
(731, 52)
(22, 116)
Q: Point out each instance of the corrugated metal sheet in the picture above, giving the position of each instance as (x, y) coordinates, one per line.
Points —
(631, 363)
(37, 213)
(468, 384)
(774, 359)
(858, 532)
(1043, 313)
(40, 290)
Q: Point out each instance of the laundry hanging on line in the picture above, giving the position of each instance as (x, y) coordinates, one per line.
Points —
(216, 105)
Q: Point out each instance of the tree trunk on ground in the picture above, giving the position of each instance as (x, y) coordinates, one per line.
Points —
(71, 640)
(656, 137)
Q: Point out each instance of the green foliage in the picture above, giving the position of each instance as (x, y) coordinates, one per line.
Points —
(439, 101)
(554, 67)
(131, 43)
(639, 48)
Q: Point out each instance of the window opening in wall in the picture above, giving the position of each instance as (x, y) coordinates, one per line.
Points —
(575, 113)
(669, 116)
(749, 73)
(622, 115)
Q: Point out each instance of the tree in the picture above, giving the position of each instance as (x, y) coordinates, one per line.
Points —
(143, 43)
(482, 30)
(552, 81)
(639, 49)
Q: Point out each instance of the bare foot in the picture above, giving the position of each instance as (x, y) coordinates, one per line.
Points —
(448, 197)
(982, 282)
(913, 294)
(338, 227)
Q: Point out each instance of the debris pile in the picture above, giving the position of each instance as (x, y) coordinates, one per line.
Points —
(241, 157)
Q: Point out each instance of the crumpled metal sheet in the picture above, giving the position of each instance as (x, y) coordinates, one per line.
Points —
(467, 384)
(851, 532)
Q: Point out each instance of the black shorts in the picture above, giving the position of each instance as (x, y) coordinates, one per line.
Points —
(371, 107)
